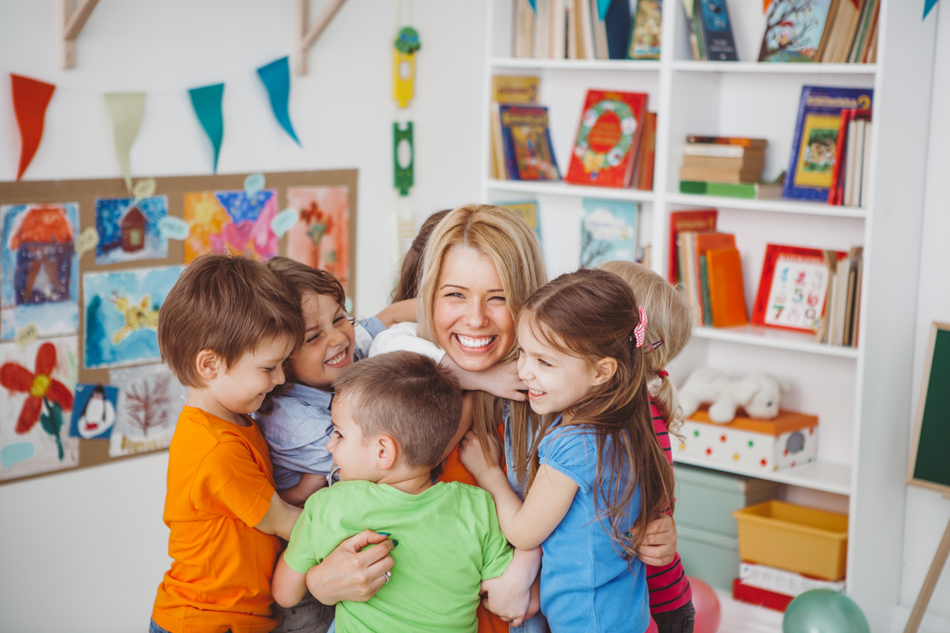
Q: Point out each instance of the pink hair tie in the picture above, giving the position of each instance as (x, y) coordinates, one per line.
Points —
(662, 373)
(641, 329)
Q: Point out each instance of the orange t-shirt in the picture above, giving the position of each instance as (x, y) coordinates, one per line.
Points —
(453, 470)
(220, 484)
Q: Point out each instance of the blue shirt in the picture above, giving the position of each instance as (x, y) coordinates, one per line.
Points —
(297, 428)
(585, 583)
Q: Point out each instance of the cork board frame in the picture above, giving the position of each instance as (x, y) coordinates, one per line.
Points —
(85, 193)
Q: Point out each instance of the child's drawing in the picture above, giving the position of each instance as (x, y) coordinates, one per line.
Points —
(150, 401)
(36, 398)
(230, 222)
(128, 230)
(121, 315)
(39, 269)
(321, 237)
(93, 412)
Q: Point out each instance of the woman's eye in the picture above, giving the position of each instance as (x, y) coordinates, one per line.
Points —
(497, 299)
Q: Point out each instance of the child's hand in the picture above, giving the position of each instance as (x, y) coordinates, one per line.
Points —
(511, 606)
(473, 457)
(659, 542)
(500, 380)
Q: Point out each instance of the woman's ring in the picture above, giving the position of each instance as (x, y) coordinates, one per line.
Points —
(389, 575)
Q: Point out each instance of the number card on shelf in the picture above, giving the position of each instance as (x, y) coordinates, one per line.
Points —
(793, 288)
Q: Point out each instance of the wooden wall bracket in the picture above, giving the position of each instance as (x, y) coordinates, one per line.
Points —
(307, 35)
(70, 20)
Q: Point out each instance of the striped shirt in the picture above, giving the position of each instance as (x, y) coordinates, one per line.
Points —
(668, 586)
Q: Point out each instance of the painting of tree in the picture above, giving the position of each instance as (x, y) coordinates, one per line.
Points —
(793, 30)
(148, 403)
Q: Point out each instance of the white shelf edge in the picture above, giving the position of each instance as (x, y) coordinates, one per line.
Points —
(576, 64)
(689, 66)
(776, 339)
(565, 189)
(775, 206)
(833, 478)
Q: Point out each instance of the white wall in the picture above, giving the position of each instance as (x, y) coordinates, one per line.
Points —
(85, 551)
(927, 513)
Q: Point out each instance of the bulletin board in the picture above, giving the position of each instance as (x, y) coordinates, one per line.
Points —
(95, 351)
(928, 466)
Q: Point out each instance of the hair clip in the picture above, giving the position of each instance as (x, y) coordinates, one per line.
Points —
(652, 347)
(662, 373)
(641, 329)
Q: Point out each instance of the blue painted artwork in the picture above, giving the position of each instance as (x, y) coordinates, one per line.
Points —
(129, 231)
(609, 230)
(121, 315)
(39, 268)
(94, 409)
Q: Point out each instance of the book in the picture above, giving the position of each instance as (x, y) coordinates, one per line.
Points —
(823, 333)
(499, 169)
(866, 165)
(722, 150)
(526, 139)
(843, 28)
(835, 188)
(726, 289)
(734, 176)
(747, 190)
(696, 32)
(645, 39)
(608, 137)
(617, 23)
(702, 245)
(848, 168)
(704, 291)
(700, 220)
(741, 141)
(507, 89)
(792, 288)
(584, 30)
(863, 36)
(690, 283)
(599, 30)
(749, 161)
(527, 210)
(647, 157)
(542, 29)
(840, 301)
(558, 29)
(794, 30)
(609, 230)
(814, 143)
(694, 187)
(523, 31)
(719, 43)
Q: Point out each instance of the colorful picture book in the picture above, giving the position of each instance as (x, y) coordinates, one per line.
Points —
(526, 140)
(850, 180)
(508, 89)
(646, 160)
(528, 211)
(718, 41)
(830, 31)
(608, 138)
(712, 278)
(814, 145)
(609, 231)
(647, 30)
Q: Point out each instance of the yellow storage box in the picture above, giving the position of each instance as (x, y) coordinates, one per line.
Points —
(788, 536)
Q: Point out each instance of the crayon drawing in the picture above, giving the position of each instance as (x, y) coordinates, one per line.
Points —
(121, 315)
(150, 401)
(36, 399)
(230, 222)
(93, 412)
(39, 269)
(321, 237)
(128, 230)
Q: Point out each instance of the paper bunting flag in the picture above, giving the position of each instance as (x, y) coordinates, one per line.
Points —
(276, 78)
(126, 109)
(928, 5)
(207, 103)
(602, 6)
(30, 98)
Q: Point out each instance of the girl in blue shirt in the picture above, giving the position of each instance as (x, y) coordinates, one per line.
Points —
(596, 468)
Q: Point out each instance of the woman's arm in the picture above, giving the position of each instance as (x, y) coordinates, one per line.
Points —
(351, 572)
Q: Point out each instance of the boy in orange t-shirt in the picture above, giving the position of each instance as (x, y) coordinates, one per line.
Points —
(225, 330)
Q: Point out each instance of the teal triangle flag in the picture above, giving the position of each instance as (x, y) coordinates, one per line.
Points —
(533, 6)
(207, 103)
(276, 78)
(928, 5)
(602, 6)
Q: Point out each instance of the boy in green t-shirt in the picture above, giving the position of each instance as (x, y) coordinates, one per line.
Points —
(393, 418)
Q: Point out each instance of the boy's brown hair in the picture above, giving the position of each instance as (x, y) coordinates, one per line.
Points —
(226, 304)
(407, 396)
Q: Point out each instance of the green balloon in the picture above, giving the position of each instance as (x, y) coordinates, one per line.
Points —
(824, 611)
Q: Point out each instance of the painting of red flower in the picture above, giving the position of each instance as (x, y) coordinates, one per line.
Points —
(38, 384)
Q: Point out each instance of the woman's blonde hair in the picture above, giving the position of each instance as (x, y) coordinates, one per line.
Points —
(513, 248)
(670, 320)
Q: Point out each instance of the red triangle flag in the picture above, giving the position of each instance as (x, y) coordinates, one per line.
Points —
(30, 98)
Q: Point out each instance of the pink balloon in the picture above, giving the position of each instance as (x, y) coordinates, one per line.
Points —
(706, 603)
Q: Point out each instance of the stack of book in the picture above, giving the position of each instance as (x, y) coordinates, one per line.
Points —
(842, 299)
(726, 166)
(829, 31)
(578, 29)
(776, 588)
(850, 179)
(710, 33)
(520, 137)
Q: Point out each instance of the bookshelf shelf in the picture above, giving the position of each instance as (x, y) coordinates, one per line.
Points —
(774, 338)
(822, 476)
(773, 68)
(776, 206)
(565, 189)
(575, 64)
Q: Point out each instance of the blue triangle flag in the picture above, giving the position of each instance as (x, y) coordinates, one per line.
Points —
(276, 78)
(207, 104)
(533, 6)
(602, 6)
(928, 5)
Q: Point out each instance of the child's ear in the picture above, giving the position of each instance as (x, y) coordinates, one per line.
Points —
(604, 370)
(208, 364)
(387, 450)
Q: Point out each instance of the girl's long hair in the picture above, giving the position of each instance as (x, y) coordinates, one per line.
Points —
(591, 315)
(669, 328)
(514, 250)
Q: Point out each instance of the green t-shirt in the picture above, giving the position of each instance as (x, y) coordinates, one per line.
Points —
(449, 541)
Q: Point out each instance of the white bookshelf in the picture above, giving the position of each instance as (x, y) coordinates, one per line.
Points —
(861, 396)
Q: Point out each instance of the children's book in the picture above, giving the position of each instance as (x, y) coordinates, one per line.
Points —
(726, 289)
(515, 89)
(719, 43)
(698, 220)
(617, 23)
(609, 230)
(794, 30)
(647, 30)
(529, 153)
(647, 157)
(527, 210)
(814, 145)
(608, 138)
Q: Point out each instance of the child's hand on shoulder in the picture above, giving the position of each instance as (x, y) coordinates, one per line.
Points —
(474, 459)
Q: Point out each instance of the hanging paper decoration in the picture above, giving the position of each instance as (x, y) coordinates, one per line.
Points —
(928, 5)
(404, 65)
(207, 103)
(403, 165)
(30, 98)
(126, 109)
(602, 6)
(276, 78)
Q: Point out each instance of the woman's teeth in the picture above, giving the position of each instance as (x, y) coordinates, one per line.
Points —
(474, 342)
(336, 360)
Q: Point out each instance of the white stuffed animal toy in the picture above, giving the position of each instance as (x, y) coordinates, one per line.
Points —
(759, 394)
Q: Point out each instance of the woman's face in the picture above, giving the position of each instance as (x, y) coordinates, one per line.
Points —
(471, 317)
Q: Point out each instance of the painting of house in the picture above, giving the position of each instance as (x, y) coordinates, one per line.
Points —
(39, 268)
(133, 230)
(129, 229)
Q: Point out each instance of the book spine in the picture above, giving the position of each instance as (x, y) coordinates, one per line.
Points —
(717, 31)
(866, 166)
(752, 143)
(858, 163)
(849, 163)
(717, 150)
(839, 153)
(704, 285)
(698, 30)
